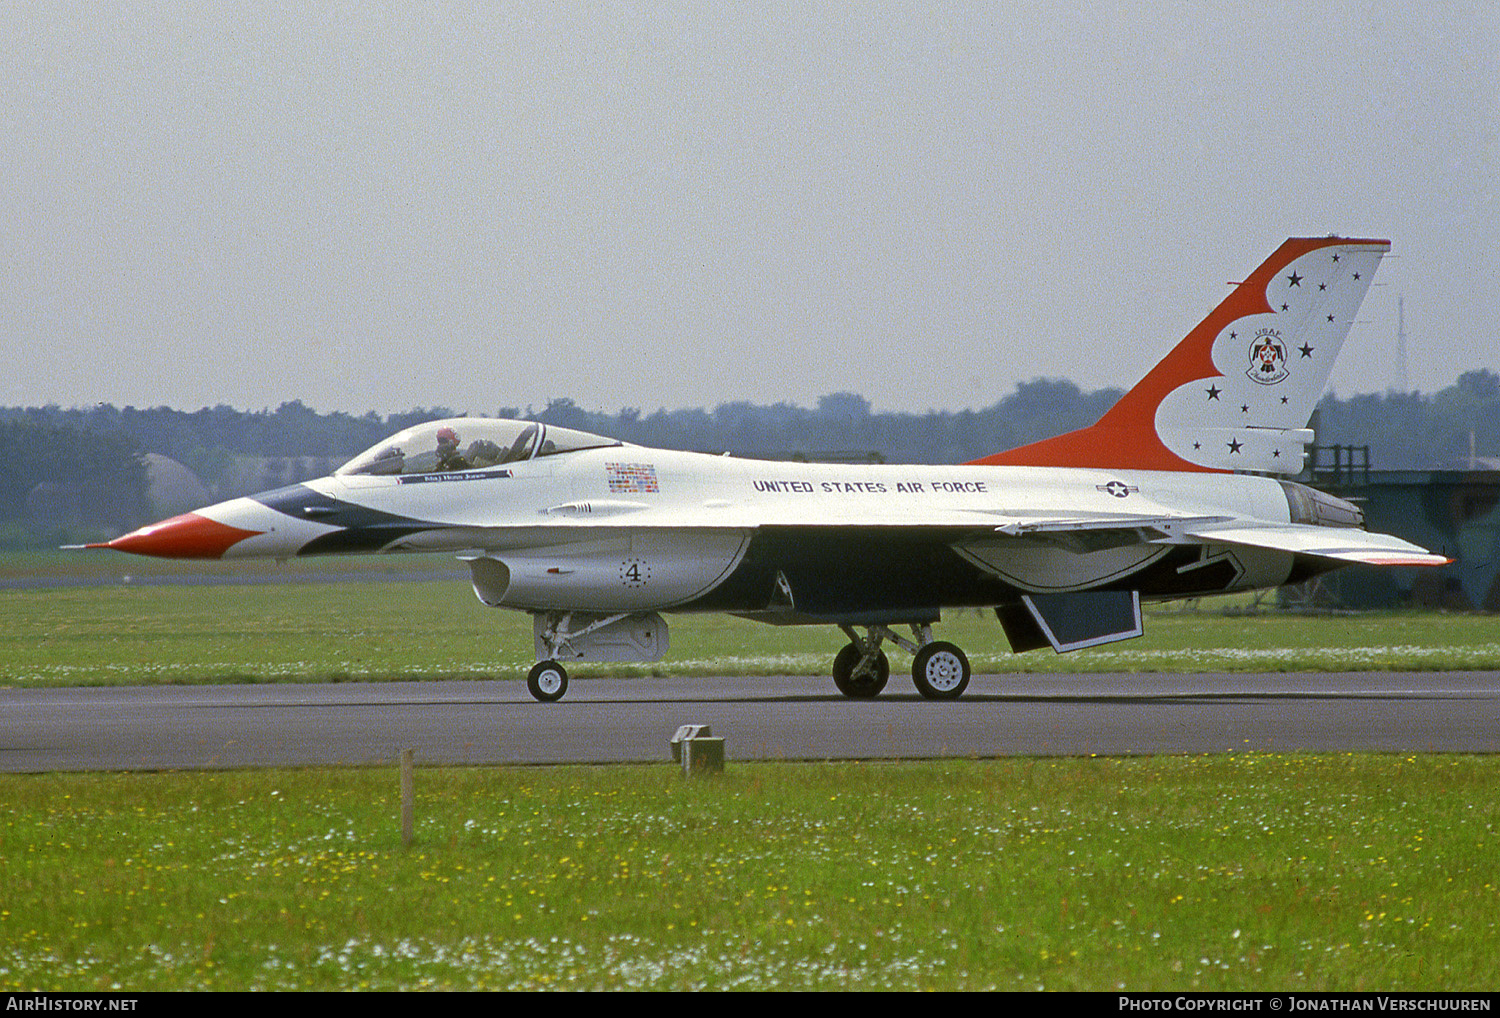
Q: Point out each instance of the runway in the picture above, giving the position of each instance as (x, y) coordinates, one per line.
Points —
(789, 717)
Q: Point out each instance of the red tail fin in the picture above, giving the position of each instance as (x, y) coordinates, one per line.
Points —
(1237, 392)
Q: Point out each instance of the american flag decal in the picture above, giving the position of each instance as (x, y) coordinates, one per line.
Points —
(631, 478)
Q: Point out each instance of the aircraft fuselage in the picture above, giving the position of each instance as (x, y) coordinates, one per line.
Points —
(630, 529)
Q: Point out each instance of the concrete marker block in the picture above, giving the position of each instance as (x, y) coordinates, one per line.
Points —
(702, 756)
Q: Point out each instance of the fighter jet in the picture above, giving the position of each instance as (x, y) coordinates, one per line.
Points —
(1180, 490)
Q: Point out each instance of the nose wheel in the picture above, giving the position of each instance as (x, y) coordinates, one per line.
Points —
(547, 680)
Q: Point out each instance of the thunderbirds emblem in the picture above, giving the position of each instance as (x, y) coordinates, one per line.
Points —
(1267, 358)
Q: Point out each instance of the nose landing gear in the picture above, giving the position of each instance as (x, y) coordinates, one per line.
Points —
(590, 636)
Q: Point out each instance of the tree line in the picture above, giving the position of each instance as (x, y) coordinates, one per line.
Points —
(69, 480)
(98, 452)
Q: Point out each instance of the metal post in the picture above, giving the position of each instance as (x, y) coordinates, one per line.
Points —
(407, 783)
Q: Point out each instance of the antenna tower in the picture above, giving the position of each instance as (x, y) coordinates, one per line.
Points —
(1401, 383)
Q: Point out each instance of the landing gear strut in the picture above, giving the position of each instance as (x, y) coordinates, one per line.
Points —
(548, 680)
(939, 670)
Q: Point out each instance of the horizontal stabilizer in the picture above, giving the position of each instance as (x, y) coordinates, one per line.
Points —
(1072, 621)
(1342, 544)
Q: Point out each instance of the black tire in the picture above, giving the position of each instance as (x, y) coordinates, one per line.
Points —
(941, 671)
(547, 680)
(864, 686)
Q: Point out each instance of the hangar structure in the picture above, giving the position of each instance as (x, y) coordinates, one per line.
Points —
(1453, 512)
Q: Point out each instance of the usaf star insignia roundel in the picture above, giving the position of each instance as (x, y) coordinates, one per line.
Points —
(1267, 358)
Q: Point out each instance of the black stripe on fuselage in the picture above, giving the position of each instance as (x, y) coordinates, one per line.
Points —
(360, 528)
(842, 573)
(839, 574)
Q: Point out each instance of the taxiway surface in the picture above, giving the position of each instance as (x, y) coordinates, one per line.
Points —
(789, 717)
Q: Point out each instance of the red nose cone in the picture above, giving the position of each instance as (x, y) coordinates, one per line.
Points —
(186, 536)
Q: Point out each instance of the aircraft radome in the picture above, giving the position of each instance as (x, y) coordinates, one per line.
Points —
(1167, 496)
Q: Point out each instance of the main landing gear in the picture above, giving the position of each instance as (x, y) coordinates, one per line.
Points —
(940, 670)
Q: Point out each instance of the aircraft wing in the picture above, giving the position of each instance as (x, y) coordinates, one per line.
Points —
(1142, 526)
(1074, 531)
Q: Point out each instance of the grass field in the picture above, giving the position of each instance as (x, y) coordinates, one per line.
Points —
(320, 630)
(1231, 872)
(1234, 872)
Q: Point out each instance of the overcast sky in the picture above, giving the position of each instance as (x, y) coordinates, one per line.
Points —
(371, 206)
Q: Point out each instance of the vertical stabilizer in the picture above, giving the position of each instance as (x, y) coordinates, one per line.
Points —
(1237, 392)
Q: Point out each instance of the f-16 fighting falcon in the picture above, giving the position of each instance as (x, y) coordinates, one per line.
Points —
(1174, 493)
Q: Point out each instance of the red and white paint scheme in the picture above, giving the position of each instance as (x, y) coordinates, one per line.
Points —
(1165, 497)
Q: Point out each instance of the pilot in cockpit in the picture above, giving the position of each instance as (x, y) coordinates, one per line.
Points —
(448, 457)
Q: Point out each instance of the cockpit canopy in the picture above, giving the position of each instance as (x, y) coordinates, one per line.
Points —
(467, 443)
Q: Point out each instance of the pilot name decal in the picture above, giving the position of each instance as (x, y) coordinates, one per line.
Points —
(468, 475)
(632, 478)
(1267, 358)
